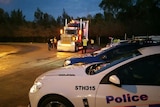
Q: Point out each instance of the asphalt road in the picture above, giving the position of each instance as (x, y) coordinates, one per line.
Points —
(20, 64)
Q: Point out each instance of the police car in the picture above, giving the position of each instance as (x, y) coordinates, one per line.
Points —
(106, 54)
(132, 80)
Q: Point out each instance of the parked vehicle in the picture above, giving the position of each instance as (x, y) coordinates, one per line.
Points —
(132, 80)
(72, 35)
(107, 54)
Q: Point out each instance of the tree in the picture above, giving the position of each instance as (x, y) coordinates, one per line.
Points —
(115, 6)
(138, 16)
(4, 17)
(66, 16)
(17, 17)
(144, 17)
(44, 19)
(99, 17)
(48, 20)
(60, 21)
(38, 16)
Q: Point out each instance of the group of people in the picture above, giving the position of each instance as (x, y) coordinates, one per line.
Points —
(85, 44)
(51, 43)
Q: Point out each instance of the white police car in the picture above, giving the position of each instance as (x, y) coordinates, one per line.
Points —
(126, 82)
(107, 54)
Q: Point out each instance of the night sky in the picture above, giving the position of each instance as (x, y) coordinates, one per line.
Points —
(75, 8)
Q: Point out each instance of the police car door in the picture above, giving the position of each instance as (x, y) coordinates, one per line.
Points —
(139, 85)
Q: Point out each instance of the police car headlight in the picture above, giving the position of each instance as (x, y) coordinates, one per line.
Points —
(36, 86)
(67, 62)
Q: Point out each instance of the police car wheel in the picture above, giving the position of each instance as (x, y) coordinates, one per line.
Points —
(55, 101)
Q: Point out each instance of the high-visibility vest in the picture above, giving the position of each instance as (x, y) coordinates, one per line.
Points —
(85, 42)
(55, 40)
(92, 41)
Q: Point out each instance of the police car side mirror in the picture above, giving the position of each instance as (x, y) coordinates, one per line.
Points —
(115, 80)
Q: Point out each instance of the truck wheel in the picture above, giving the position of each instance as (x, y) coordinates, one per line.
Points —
(55, 101)
(76, 48)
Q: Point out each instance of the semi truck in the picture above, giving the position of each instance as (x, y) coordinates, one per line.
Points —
(72, 34)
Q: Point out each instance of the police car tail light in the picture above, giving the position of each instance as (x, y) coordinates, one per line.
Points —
(36, 86)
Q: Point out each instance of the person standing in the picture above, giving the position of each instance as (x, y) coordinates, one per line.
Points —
(49, 45)
(92, 43)
(51, 42)
(55, 42)
(85, 43)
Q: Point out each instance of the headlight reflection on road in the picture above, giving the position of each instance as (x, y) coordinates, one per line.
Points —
(65, 54)
(5, 64)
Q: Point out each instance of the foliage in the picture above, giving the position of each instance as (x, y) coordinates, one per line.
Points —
(134, 17)
(140, 17)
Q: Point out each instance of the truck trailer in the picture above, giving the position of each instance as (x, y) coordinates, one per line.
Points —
(72, 34)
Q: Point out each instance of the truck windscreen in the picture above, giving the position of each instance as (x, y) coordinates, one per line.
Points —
(71, 32)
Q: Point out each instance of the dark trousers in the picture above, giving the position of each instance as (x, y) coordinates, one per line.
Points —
(84, 49)
(49, 46)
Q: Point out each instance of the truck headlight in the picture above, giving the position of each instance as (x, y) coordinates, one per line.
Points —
(67, 62)
(36, 86)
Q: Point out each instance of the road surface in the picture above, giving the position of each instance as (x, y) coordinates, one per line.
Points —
(20, 64)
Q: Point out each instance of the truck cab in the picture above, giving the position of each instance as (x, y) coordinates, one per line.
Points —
(71, 36)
